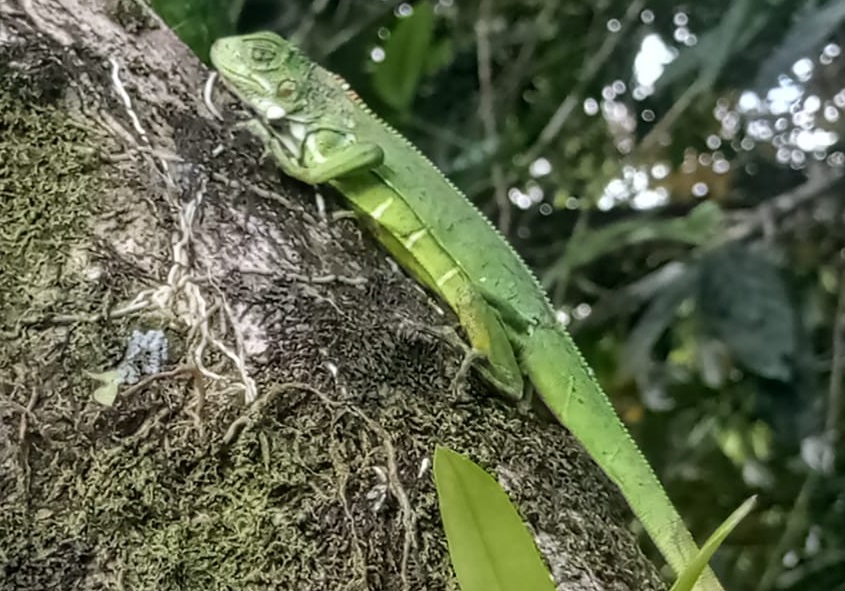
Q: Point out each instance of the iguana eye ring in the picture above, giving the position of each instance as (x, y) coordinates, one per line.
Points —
(261, 54)
(287, 88)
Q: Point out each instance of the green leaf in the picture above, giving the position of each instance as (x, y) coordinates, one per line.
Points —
(655, 321)
(491, 548)
(687, 579)
(743, 301)
(698, 227)
(107, 393)
(730, 28)
(396, 78)
(440, 54)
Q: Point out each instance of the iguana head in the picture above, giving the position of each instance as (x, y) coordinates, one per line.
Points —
(265, 71)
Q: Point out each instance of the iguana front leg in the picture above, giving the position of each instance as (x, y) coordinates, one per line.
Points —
(324, 161)
(321, 157)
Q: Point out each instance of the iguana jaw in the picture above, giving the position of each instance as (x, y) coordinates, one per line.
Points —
(262, 107)
(256, 91)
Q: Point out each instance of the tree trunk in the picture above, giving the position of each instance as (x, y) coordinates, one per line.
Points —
(275, 399)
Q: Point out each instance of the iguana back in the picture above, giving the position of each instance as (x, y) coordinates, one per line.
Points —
(472, 241)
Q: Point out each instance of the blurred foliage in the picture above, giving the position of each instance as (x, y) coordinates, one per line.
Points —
(717, 330)
(199, 22)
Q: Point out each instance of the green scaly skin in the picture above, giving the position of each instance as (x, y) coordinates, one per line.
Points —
(319, 131)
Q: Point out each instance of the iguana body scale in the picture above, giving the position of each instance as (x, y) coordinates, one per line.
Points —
(319, 131)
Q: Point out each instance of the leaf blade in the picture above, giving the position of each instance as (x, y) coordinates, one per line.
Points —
(688, 578)
(490, 547)
(406, 52)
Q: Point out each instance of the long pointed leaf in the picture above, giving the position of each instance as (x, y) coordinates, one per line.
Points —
(691, 573)
(491, 548)
(405, 53)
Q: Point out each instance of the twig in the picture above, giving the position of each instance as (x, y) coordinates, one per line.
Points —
(517, 70)
(679, 107)
(563, 267)
(487, 113)
(631, 296)
(837, 368)
(818, 183)
(740, 226)
(352, 30)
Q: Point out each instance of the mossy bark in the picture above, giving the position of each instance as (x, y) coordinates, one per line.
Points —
(282, 442)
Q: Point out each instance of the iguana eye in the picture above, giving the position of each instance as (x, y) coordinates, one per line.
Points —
(261, 54)
(287, 88)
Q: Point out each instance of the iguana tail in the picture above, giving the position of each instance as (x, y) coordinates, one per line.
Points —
(568, 387)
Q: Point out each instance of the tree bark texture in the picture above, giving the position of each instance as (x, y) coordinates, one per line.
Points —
(277, 394)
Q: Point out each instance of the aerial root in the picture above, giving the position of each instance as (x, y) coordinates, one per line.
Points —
(398, 491)
(245, 422)
(249, 418)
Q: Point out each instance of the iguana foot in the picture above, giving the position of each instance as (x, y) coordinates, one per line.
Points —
(470, 356)
(450, 336)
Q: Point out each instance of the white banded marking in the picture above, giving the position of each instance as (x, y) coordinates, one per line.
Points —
(447, 276)
(412, 239)
(382, 207)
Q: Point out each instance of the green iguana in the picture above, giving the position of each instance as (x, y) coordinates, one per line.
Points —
(319, 131)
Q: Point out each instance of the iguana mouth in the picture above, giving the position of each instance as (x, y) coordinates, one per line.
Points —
(289, 131)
